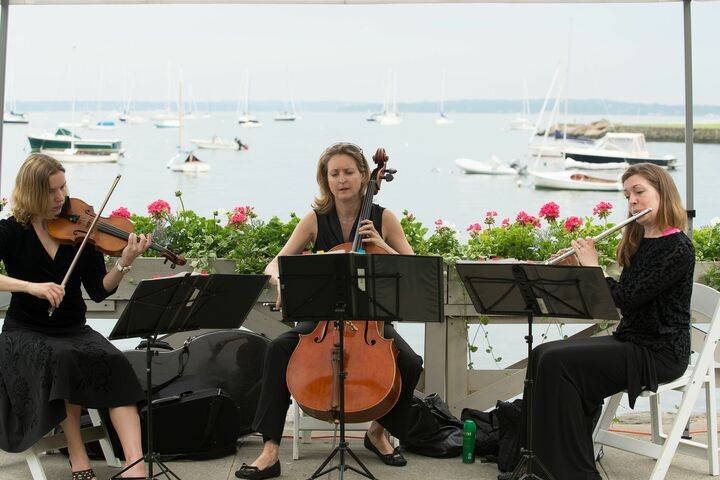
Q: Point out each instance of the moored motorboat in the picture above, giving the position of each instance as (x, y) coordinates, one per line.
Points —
(575, 180)
(491, 167)
(217, 143)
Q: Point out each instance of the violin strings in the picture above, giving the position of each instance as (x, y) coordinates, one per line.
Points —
(120, 233)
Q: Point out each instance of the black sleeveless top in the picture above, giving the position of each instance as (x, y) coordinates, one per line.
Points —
(330, 234)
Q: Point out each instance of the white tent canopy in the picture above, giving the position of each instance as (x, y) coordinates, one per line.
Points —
(689, 201)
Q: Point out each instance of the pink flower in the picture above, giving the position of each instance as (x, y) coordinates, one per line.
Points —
(121, 212)
(490, 217)
(158, 209)
(525, 219)
(602, 209)
(438, 223)
(505, 222)
(238, 218)
(247, 210)
(572, 224)
(550, 211)
(475, 227)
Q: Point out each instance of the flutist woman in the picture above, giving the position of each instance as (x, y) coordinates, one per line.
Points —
(651, 344)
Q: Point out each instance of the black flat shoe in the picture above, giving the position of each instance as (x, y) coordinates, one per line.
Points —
(394, 459)
(254, 473)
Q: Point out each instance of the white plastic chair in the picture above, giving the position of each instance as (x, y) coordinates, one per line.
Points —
(55, 441)
(705, 303)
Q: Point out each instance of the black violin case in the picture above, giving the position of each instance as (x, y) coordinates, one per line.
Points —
(204, 393)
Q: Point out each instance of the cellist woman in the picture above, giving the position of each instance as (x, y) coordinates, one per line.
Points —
(52, 364)
(342, 175)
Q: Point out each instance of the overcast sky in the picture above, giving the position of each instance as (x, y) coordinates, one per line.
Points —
(630, 52)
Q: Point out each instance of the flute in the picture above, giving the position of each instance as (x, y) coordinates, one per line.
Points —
(600, 236)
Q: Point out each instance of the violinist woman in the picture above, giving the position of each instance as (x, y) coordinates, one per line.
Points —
(342, 175)
(54, 364)
(651, 345)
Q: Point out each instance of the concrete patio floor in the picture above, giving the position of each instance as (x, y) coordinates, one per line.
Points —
(618, 465)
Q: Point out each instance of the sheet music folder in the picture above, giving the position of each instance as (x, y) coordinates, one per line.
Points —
(188, 302)
(370, 286)
(552, 290)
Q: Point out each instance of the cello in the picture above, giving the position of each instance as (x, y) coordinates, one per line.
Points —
(372, 379)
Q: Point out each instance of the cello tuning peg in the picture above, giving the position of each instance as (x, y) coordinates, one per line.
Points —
(391, 171)
(389, 177)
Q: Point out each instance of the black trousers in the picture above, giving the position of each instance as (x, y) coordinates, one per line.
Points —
(572, 378)
(275, 396)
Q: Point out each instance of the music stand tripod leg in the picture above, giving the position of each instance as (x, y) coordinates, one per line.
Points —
(343, 446)
(528, 459)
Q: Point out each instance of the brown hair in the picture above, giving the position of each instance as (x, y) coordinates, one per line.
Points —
(32, 185)
(325, 202)
(671, 212)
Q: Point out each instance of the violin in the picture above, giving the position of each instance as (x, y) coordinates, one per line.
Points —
(372, 379)
(110, 235)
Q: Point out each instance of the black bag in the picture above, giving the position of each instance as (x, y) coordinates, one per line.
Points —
(433, 431)
(511, 432)
(197, 425)
(487, 437)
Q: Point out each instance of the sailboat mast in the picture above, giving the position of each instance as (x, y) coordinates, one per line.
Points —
(180, 116)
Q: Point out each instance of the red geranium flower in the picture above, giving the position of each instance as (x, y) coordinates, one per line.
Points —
(159, 208)
(238, 218)
(572, 224)
(475, 227)
(550, 211)
(602, 209)
(121, 212)
(525, 219)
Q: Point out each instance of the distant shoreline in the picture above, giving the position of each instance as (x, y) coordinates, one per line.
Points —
(576, 107)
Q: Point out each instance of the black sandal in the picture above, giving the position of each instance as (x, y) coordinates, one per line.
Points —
(394, 459)
(84, 475)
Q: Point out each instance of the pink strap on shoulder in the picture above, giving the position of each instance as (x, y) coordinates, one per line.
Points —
(670, 231)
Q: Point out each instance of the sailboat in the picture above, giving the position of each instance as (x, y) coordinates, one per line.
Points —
(13, 116)
(185, 160)
(245, 118)
(127, 116)
(288, 115)
(522, 121)
(389, 114)
(442, 118)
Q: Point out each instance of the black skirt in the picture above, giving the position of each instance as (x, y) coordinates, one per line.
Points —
(39, 372)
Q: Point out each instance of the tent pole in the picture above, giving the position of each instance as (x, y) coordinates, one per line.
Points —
(689, 176)
(4, 9)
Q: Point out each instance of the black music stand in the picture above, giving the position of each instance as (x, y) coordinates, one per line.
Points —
(351, 286)
(176, 304)
(536, 289)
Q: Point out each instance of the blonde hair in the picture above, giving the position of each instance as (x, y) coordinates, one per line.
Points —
(32, 185)
(670, 213)
(325, 202)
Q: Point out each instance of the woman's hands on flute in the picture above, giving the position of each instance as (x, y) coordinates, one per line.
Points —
(585, 252)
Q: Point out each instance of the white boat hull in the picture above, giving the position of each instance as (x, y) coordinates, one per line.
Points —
(168, 124)
(484, 168)
(215, 145)
(572, 164)
(178, 164)
(72, 155)
(573, 180)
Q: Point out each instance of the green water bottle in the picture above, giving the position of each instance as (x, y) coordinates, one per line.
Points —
(469, 429)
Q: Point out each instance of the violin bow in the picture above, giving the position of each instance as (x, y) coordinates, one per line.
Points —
(87, 235)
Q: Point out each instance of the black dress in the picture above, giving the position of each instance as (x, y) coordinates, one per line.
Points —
(46, 360)
(651, 345)
(275, 396)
